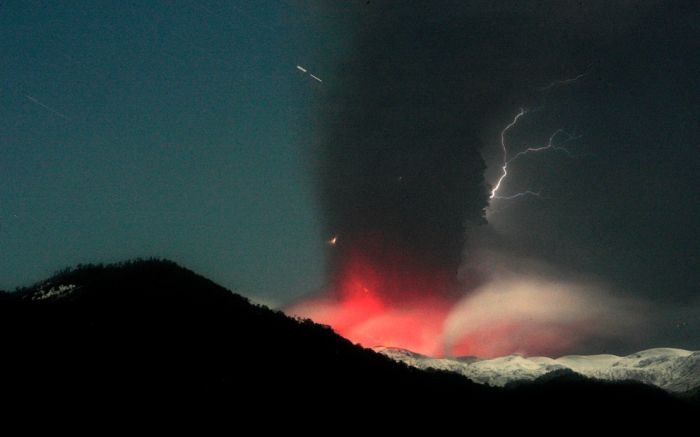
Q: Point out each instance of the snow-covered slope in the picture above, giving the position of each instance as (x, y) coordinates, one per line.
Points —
(49, 291)
(675, 370)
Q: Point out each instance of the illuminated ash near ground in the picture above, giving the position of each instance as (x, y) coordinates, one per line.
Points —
(384, 297)
(400, 179)
(509, 313)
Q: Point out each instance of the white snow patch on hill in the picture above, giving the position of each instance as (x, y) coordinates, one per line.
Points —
(50, 292)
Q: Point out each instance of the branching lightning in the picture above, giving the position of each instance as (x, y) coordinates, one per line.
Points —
(521, 194)
(551, 145)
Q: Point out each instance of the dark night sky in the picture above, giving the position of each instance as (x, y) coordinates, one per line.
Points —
(184, 137)
(185, 131)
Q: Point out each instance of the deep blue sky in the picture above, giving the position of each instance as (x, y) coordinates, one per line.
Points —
(179, 131)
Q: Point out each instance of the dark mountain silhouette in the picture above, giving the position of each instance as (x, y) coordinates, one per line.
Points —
(151, 333)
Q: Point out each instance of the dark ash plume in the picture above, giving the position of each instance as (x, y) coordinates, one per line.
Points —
(400, 168)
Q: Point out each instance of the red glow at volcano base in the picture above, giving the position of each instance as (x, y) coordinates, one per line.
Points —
(396, 302)
(390, 301)
(364, 322)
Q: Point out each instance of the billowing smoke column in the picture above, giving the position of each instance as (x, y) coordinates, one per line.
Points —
(400, 171)
(400, 177)
(400, 174)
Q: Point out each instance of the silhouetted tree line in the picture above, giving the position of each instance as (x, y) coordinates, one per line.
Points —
(152, 332)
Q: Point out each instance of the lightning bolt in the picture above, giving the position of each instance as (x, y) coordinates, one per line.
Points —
(551, 145)
(504, 168)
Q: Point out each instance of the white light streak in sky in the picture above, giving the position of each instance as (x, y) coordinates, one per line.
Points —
(47, 107)
(306, 71)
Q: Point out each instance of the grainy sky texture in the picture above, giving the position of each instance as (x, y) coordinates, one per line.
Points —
(159, 129)
(186, 131)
